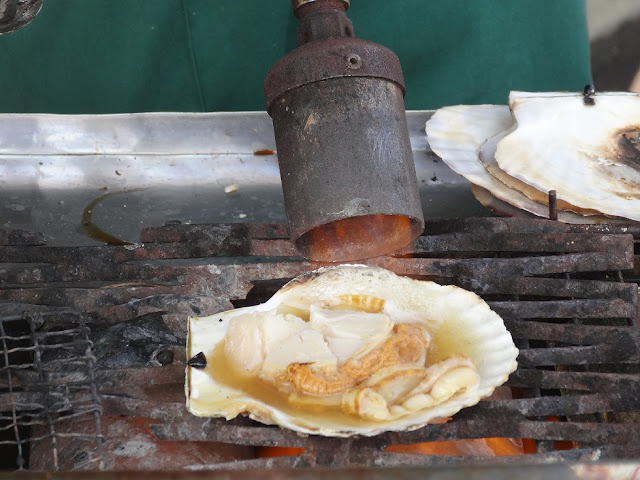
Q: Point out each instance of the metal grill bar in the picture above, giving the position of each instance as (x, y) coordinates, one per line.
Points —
(48, 405)
(221, 431)
(587, 381)
(14, 413)
(561, 290)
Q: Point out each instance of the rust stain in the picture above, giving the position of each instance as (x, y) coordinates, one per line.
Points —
(628, 146)
(621, 149)
(266, 151)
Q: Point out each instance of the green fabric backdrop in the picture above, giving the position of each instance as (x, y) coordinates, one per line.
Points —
(111, 56)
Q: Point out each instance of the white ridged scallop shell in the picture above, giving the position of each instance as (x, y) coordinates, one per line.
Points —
(457, 133)
(460, 317)
(486, 156)
(589, 154)
(466, 138)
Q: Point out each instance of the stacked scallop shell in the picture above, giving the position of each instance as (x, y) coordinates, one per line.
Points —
(583, 146)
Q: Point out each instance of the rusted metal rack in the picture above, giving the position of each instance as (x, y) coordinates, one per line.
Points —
(48, 382)
(568, 294)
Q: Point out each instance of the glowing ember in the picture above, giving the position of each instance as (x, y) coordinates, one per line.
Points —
(480, 447)
(357, 238)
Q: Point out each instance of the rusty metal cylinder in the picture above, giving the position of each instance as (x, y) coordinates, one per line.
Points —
(296, 4)
(348, 176)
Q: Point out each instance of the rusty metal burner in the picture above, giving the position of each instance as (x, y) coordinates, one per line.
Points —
(343, 144)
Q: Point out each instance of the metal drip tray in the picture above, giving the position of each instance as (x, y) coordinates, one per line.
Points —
(139, 170)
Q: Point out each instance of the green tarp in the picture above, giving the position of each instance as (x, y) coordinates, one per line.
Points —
(112, 56)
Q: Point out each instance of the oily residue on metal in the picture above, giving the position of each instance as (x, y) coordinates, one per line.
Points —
(567, 293)
(91, 229)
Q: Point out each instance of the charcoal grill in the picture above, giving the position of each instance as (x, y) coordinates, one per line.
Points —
(93, 345)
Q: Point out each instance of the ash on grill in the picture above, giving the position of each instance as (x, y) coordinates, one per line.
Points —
(566, 294)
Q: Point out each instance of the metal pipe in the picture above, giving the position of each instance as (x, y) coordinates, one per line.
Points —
(345, 158)
(295, 4)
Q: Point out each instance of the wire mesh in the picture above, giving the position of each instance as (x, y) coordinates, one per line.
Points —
(565, 295)
(48, 394)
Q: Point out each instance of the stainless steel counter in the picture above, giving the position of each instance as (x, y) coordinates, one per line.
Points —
(152, 168)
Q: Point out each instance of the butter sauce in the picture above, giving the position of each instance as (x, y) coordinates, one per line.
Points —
(450, 338)
(253, 386)
(446, 340)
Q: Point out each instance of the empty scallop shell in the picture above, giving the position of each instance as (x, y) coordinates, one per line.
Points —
(414, 352)
(589, 154)
(486, 156)
(469, 138)
(458, 134)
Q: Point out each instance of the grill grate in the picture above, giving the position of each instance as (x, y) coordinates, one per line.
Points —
(47, 392)
(567, 295)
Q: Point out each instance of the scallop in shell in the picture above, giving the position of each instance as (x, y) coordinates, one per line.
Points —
(349, 350)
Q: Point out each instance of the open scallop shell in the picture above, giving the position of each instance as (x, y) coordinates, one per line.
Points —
(458, 134)
(458, 322)
(589, 154)
(487, 157)
(468, 137)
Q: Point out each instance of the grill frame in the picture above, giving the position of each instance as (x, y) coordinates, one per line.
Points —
(523, 268)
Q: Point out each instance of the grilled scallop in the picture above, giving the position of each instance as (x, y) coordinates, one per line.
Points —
(349, 350)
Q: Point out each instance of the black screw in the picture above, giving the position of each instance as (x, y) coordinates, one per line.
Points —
(354, 61)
